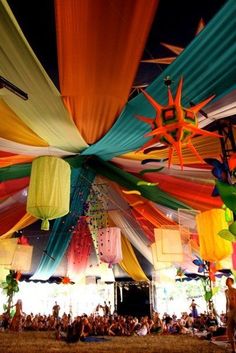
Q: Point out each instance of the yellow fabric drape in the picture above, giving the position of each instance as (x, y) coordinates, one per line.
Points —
(49, 189)
(212, 247)
(99, 46)
(205, 145)
(44, 112)
(25, 221)
(21, 133)
(130, 263)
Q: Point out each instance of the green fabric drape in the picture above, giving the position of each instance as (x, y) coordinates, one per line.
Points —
(24, 169)
(130, 182)
(62, 230)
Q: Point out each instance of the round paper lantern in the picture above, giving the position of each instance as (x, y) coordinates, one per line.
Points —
(109, 245)
(49, 189)
(212, 247)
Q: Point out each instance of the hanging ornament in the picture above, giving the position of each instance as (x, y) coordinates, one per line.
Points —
(49, 189)
(174, 126)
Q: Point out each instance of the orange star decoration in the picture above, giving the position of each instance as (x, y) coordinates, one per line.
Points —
(176, 50)
(174, 126)
(66, 280)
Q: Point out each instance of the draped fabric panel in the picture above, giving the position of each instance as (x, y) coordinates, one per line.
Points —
(208, 66)
(79, 250)
(25, 221)
(19, 197)
(29, 150)
(130, 263)
(132, 231)
(147, 227)
(193, 173)
(24, 169)
(44, 112)
(196, 195)
(22, 133)
(128, 181)
(9, 217)
(207, 147)
(15, 159)
(99, 46)
(62, 229)
(10, 187)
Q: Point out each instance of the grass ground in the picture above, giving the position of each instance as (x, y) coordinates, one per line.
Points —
(45, 342)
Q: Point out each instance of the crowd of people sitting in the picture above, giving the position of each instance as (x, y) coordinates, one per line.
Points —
(78, 328)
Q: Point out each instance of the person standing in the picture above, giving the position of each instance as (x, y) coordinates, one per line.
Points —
(193, 307)
(230, 295)
(16, 324)
(55, 311)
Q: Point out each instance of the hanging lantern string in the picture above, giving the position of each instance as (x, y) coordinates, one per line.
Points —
(124, 211)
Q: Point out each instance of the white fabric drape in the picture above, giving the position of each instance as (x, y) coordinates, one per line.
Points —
(18, 148)
(132, 233)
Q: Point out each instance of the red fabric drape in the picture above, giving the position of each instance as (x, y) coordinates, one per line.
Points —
(10, 187)
(195, 195)
(10, 216)
(79, 250)
(99, 45)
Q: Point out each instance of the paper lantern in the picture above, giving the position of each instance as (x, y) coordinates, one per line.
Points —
(3, 273)
(168, 245)
(49, 189)
(109, 245)
(213, 248)
(7, 251)
(22, 258)
(174, 125)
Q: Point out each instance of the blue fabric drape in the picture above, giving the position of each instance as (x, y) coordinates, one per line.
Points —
(208, 66)
(59, 239)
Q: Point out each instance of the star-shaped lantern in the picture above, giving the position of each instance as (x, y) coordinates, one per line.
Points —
(174, 125)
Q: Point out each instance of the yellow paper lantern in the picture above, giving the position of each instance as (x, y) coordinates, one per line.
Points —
(212, 247)
(7, 251)
(22, 258)
(168, 245)
(49, 189)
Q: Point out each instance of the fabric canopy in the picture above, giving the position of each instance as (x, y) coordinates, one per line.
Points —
(99, 47)
(208, 66)
(44, 112)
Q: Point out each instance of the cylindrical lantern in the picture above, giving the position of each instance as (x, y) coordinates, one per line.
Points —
(212, 247)
(49, 189)
(109, 245)
(7, 251)
(168, 245)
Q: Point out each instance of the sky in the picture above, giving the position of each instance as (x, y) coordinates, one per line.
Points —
(175, 23)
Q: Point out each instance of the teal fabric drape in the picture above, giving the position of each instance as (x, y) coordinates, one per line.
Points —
(208, 66)
(153, 193)
(62, 230)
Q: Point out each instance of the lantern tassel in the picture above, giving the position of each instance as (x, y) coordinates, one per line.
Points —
(45, 224)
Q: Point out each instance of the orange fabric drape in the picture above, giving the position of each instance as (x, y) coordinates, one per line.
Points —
(99, 45)
(195, 195)
(22, 223)
(15, 159)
